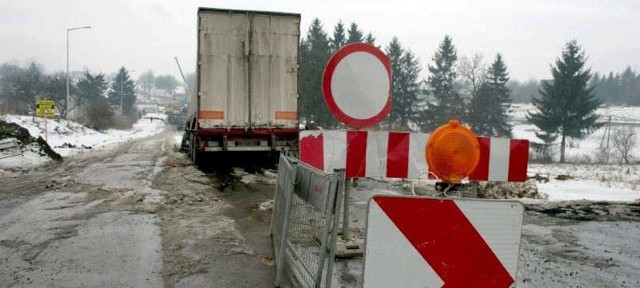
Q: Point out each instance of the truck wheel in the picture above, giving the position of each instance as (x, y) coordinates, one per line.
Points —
(196, 155)
(183, 143)
(189, 146)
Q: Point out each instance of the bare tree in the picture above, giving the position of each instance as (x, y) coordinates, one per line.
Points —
(624, 139)
(473, 72)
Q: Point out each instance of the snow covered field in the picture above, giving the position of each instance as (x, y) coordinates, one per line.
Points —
(594, 182)
(69, 138)
(588, 181)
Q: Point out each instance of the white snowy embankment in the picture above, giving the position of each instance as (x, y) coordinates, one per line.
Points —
(69, 138)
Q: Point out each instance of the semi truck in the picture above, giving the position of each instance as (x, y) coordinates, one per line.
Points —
(246, 94)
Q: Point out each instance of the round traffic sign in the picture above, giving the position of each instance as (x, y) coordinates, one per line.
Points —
(357, 85)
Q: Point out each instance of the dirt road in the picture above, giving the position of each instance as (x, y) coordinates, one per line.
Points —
(137, 216)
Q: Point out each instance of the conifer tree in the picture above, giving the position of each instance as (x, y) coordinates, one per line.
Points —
(446, 102)
(567, 105)
(121, 94)
(405, 88)
(91, 88)
(488, 112)
(339, 38)
(369, 39)
(355, 35)
(314, 54)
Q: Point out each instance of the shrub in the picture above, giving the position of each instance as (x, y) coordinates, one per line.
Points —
(100, 115)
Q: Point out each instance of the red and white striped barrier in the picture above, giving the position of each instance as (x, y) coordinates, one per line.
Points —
(381, 154)
(502, 159)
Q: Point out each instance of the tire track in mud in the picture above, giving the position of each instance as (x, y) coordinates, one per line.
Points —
(214, 234)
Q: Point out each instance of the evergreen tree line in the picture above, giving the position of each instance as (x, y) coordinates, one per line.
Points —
(465, 89)
(616, 89)
(462, 89)
(619, 89)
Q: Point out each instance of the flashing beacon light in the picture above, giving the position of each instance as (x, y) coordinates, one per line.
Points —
(452, 152)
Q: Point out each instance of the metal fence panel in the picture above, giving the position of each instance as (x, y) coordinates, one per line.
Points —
(305, 217)
(281, 209)
(313, 187)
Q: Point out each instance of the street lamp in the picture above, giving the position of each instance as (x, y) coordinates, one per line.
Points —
(122, 91)
(67, 34)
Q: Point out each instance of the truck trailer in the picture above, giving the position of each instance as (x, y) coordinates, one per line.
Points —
(246, 94)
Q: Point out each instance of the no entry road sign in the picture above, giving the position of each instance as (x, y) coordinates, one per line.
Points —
(436, 242)
(356, 84)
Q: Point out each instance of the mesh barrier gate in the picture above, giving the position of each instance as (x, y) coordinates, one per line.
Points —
(304, 217)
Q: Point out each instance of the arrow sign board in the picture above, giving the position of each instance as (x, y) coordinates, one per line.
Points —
(356, 85)
(436, 242)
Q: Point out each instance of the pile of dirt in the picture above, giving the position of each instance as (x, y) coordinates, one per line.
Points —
(588, 210)
(69, 145)
(510, 190)
(12, 130)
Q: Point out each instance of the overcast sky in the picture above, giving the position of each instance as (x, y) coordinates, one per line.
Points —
(145, 34)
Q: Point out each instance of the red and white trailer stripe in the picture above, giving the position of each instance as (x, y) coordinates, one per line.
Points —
(401, 155)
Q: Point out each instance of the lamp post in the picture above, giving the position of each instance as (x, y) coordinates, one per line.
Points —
(122, 91)
(67, 34)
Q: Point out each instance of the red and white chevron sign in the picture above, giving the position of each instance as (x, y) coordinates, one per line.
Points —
(435, 242)
(402, 155)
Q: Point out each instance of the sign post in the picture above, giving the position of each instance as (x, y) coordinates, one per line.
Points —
(356, 85)
(45, 108)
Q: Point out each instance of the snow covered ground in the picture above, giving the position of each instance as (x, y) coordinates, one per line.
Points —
(589, 181)
(68, 138)
(594, 182)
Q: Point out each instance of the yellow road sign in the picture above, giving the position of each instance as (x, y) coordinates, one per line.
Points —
(45, 108)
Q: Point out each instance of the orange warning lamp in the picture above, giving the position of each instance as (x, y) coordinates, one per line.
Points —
(452, 152)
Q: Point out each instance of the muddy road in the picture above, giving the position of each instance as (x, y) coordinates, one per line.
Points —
(136, 216)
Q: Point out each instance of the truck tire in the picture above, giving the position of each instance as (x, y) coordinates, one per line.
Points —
(188, 145)
(184, 143)
(196, 155)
